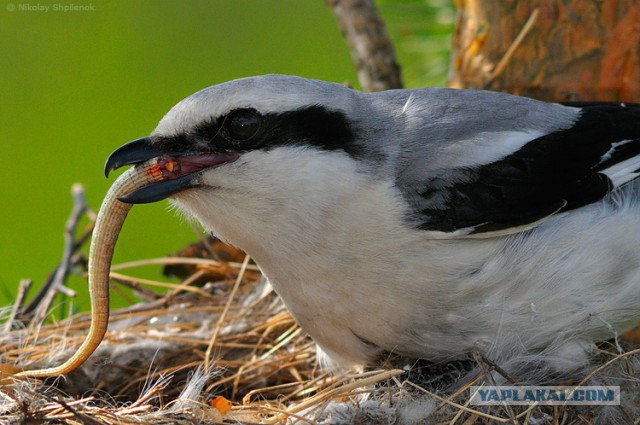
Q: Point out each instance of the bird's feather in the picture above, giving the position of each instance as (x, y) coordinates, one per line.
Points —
(556, 172)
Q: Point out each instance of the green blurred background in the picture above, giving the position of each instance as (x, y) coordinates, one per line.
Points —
(75, 85)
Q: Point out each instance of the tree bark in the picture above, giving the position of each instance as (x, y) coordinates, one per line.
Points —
(569, 51)
(371, 49)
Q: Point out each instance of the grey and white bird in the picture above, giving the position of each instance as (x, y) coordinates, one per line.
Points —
(421, 223)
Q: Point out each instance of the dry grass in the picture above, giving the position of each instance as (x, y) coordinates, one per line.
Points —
(233, 334)
(222, 334)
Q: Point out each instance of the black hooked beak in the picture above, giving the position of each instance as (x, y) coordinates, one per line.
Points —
(181, 176)
(158, 191)
(140, 150)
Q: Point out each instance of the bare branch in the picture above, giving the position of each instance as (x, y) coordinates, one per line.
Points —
(45, 297)
(371, 49)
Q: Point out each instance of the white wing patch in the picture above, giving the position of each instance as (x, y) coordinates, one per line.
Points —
(614, 146)
(623, 172)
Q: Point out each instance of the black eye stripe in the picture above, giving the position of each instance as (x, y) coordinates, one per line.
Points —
(314, 126)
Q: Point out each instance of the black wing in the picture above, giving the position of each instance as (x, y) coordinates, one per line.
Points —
(557, 172)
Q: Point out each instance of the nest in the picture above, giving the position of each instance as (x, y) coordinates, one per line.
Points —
(220, 347)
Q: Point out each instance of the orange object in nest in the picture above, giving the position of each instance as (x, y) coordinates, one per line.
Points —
(221, 404)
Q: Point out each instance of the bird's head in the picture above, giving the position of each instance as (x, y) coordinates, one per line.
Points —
(254, 145)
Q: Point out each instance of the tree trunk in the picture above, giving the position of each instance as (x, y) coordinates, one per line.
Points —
(549, 49)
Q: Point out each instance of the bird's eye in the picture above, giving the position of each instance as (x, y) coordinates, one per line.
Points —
(242, 124)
